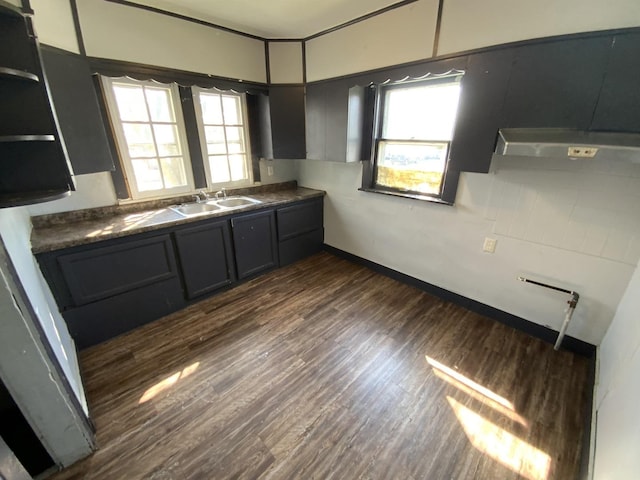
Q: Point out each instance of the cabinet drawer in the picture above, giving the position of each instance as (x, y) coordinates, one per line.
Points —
(298, 219)
(106, 271)
(300, 247)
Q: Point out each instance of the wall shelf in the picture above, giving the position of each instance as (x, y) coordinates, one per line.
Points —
(14, 74)
(29, 198)
(27, 138)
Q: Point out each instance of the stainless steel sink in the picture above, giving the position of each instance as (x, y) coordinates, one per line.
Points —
(193, 209)
(234, 202)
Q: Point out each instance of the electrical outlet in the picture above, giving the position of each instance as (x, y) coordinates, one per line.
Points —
(582, 152)
(489, 245)
(270, 170)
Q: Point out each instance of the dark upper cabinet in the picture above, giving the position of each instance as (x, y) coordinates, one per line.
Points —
(480, 110)
(619, 104)
(335, 115)
(556, 84)
(286, 123)
(206, 257)
(76, 105)
(33, 160)
(255, 242)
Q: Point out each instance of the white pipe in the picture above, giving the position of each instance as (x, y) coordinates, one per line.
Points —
(563, 329)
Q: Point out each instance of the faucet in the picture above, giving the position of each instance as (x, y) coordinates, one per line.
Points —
(205, 195)
(222, 192)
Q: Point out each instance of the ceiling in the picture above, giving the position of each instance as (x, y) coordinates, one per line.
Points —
(272, 18)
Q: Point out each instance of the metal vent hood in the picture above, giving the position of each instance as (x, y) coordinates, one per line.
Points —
(568, 143)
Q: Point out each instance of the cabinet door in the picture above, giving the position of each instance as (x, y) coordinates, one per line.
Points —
(479, 117)
(76, 104)
(206, 257)
(299, 218)
(556, 84)
(97, 273)
(254, 239)
(619, 101)
(287, 121)
(316, 112)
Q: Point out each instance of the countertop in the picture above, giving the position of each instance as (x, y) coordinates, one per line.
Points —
(70, 229)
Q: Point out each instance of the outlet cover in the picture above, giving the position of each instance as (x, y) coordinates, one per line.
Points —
(489, 245)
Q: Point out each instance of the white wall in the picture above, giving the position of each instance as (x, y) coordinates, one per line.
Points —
(407, 33)
(618, 392)
(124, 33)
(398, 36)
(53, 22)
(285, 62)
(560, 222)
(467, 25)
(15, 230)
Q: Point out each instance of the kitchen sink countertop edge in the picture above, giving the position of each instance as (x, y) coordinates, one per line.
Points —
(52, 232)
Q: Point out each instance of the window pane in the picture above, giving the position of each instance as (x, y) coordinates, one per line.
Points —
(211, 109)
(139, 140)
(159, 103)
(237, 165)
(231, 106)
(167, 139)
(421, 112)
(131, 105)
(215, 140)
(147, 173)
(173, 172)
(416, 167)
(235, 140)
(219, 168)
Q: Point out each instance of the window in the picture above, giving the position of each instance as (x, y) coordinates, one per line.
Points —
(148, 124)
(415, 128)
(223, 136)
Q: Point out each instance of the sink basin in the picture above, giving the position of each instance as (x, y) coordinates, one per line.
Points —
(234, 202)
(193, 209)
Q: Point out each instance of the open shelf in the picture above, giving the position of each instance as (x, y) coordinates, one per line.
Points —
(29, 198)
(27, 138)
(12, 73)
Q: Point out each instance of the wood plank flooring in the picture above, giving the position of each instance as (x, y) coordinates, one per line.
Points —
(325, 369)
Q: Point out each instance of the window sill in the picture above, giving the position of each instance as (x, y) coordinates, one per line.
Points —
(413, 196)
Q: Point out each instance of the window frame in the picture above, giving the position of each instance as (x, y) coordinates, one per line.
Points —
(211, 185)
(121, 142)
(448, 185)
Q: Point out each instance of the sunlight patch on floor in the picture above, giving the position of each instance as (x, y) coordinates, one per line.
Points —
(168, 382)
(478, 392)
(502, 446)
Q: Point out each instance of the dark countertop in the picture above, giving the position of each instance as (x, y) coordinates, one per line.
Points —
(70, 229)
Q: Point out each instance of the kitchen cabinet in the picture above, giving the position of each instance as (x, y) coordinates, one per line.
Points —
(33, 160)
(206, 257)
(480, 111)
(300, 231)
(287, 123)
(255, 242)
(335, 115)
(107, 289)
(619, 101)
(556, 84)
(79, 116)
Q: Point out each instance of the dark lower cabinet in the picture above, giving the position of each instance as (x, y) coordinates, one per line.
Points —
(206, 257)
(108, 288)
(300, 231)
(255, 242)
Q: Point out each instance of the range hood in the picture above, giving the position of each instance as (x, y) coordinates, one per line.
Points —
(568, 143)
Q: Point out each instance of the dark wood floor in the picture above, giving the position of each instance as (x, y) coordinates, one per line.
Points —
(325, 369)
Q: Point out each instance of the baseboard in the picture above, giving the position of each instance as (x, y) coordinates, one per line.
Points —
(544, 333)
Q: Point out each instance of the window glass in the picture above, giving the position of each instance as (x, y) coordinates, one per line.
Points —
(221, 121)
(416, 128)
(150, 136)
